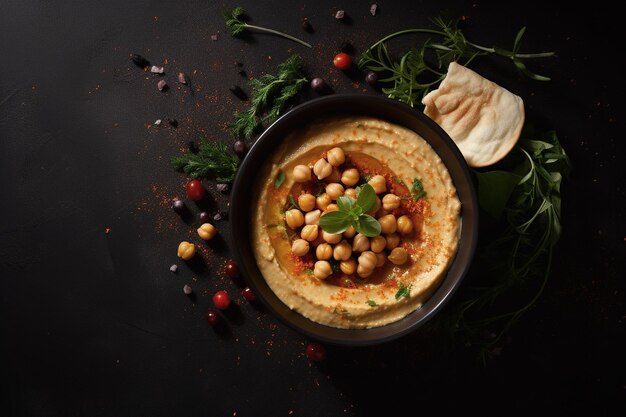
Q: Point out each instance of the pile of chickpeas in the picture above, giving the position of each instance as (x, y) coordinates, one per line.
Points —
(355, 252)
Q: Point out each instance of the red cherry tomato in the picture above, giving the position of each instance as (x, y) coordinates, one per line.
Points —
(231, 269)
(221, 300)
(316, 352)
(212, 317)
(195, 190)
(342, 61)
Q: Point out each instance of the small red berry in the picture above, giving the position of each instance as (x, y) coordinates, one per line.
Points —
(212, 317)
(316, 352)
(342, 61)
(221, 300)
(195, 190)
(248, 294)
(231, 269)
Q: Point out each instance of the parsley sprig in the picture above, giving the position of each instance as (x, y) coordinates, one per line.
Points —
(353, 213)
(413, 75)
(212, 159)
(270, 95)
(237, 25)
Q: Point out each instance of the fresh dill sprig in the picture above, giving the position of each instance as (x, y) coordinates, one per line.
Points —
(516, 265)
(270, 95)
(411, 77)
(212, 159)
(236, 26)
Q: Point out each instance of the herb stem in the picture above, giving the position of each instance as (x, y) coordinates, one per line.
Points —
(275, 32)
(510, 54)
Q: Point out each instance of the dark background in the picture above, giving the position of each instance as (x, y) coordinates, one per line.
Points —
(94, 324)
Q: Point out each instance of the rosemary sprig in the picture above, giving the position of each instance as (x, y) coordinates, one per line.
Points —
(412, 76)
(270, 94)
(517, 264)
(212, 159)
(236, 26)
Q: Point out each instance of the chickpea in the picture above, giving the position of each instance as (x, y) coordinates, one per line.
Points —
(300, 247)
(324, 251)
(331, 238)
(368, 260)
(348, 267)
(334, 190)
(306, 202)
(336, 156)
(322, 270)
(294, 218)
(334, 176)
(331, 207)
(391, 202)
(350, 192)
(398, 256)
(309, 232)
(388, 224)
(393, 240)
(323, 201)
(312, 217)
(301, 173)
(363, 272)
(405, 225)
(322, 169)
(379, 183)
(381, 258)
(342, 251)
(207, 231)
(377, 244)
(350, 177)
(360, 243)
(186, 250)
(349, 233)
(375, 207)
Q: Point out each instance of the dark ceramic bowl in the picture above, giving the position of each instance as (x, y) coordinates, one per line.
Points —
(365, 105)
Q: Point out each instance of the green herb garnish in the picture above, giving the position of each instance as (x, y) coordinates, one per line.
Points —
(516, 264)
(352, 213)
(292, 203)
(212, 159)
(270, 94)
(403, 291)
(237, 25)
(372, 303)
(417, 189)
(280, 178)
(412, 76)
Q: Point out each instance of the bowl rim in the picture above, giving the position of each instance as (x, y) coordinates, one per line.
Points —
(361, 105)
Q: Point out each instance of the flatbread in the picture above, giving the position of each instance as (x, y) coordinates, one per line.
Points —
(484, 119)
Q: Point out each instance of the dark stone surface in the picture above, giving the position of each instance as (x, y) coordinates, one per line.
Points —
(95, 324)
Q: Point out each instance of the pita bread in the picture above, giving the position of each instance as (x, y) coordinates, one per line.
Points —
(484, 119)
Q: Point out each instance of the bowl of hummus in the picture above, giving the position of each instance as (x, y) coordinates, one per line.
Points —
(354, 218)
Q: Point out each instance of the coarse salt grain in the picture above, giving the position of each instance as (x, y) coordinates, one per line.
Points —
(182, 78)
(340, 14)
(187, 290)
(162, 85)
(157, 70)
(174, 268)
(373, 9)
(158, 122)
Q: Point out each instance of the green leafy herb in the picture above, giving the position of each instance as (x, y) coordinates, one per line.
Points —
(411, 77)
(397, 180)
(212, 159)
(417, 189)
(237, 25)
(372, 303)
(270, 94)
(352, 213)
(292, 203)
(308, 271)
(280, 178)
(516, 264)
(403, 291)
(334, 265)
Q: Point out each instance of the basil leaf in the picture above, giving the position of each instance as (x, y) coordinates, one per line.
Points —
(335, 222)
(368, 226)
(366, 198)
(280, 178)
(345, 203)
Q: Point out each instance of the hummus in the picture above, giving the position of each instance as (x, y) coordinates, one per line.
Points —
(374, 147)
